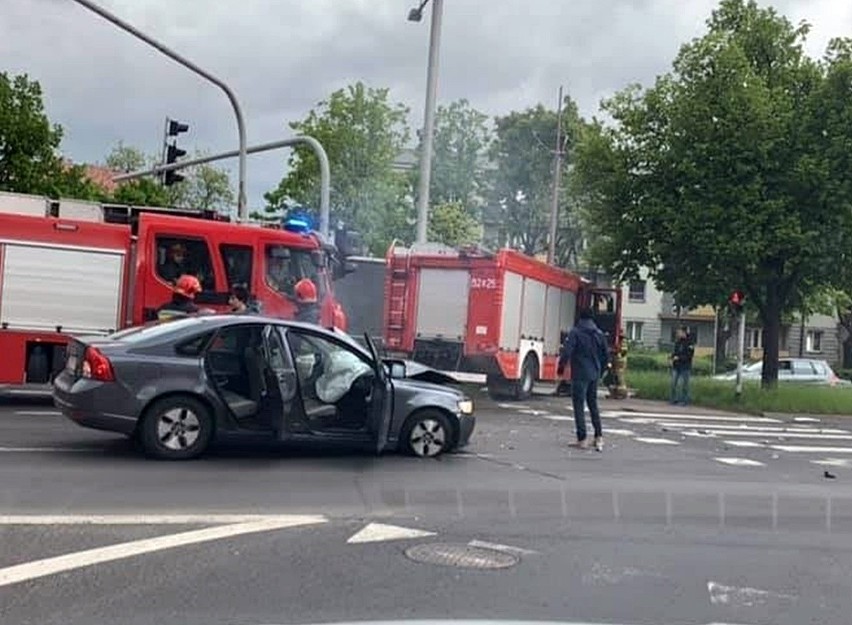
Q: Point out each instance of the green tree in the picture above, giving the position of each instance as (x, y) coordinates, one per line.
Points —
(363, 132)
(126, 158)
(204, 186)
(29, 145)
(459, 171)
(719, 176)
(522, 187)
(451, 224)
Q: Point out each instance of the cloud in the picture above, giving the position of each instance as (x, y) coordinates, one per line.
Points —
(281, 57)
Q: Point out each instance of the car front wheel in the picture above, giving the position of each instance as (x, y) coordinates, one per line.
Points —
(427, 434)
(176, 428)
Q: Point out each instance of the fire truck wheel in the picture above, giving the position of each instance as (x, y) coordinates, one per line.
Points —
(427, 434)
(529, 374)
(176, 428)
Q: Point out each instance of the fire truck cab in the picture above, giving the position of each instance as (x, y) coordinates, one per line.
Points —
(107, 267)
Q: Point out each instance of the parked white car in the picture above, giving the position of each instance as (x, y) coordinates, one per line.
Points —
(799, 370)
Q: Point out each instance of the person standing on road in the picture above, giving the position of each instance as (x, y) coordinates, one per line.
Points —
(585, 348)
(682, 354)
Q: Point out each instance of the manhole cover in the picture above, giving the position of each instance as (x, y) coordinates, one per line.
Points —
(462, 556)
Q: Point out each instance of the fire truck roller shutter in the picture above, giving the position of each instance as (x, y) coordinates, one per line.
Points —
(510, 327)
(46, 287)
(442, 303)
(553, 320)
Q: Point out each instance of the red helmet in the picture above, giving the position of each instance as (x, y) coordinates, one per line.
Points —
(306, 291)
(188, 286)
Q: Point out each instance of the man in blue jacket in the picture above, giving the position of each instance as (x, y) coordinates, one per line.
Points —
(585, 348)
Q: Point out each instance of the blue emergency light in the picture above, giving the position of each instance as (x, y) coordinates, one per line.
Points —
(298, 223)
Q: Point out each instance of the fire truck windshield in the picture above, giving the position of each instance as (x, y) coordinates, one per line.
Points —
(285, 266)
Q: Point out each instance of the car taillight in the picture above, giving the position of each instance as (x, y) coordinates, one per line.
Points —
(96, 366)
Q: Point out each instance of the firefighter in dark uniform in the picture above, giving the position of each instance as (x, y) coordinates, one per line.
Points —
(305, 293)
(182, 303)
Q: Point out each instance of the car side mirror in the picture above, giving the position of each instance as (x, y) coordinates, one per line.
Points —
(397, 369)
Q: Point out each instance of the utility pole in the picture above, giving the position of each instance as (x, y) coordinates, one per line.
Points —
(741, 353)
(557, 171)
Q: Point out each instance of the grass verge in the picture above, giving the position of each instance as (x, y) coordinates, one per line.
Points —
(715, 394)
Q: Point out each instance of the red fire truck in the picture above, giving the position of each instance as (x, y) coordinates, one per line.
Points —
(109, 266)
(503, 314)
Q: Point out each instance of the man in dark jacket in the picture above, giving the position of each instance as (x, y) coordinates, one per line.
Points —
(682, 354)
(585, 348)
(182, 303)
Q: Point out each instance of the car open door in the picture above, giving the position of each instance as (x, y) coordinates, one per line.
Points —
(283, 371)
(381, 406)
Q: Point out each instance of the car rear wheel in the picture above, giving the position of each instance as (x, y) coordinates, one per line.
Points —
(427, 434)
(176, 428)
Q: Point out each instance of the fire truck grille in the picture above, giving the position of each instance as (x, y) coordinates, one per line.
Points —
(438, 354)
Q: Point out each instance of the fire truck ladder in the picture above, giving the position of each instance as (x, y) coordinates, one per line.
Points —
(397, 296)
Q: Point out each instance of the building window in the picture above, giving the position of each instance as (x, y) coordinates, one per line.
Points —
(636, 291)
(634, 331)
(813, 341)
(754, 338)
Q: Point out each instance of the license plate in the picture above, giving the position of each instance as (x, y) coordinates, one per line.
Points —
(71, 363)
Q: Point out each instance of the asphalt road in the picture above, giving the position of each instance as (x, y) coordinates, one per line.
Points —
(687, 517)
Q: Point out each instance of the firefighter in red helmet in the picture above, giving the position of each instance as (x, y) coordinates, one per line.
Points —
(306, 300)
(182, 303)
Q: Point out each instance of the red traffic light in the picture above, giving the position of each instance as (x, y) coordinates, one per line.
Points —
(737, 298)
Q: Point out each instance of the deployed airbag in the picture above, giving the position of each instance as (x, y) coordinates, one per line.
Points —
(341, 368)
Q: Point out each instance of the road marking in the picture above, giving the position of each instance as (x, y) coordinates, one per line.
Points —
(806, 419)
(498, 547)
(68, 562)
(139, 519)
(758, 433)
(741, 596)
(740, 462)
(535, 413)
(804, 449)
(38, 413)
(49, 450)
(377, 532)
(743, 444)
(683, 417)
(619, 432)
(751, 428)
(655, 441)
(554, 417)
(697, 434)
(844, 463)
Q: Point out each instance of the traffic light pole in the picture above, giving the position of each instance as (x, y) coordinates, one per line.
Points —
(316, 146)
(740, 353)
(241, 192)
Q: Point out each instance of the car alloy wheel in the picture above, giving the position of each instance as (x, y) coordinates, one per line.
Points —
(176, 428)
(429, 435)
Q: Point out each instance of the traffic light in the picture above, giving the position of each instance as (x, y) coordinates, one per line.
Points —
(736, 301)
(172, 152)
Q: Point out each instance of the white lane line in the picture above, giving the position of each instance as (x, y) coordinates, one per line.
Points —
(498, 547)
(697, 434)
(805, 449)
(554, 417)
(144, 519)
(535, 413)
(50, 566)
(49, 450)
(684, 417)
(38, 413)
(753, 428)
(655, 441)
(806, 419)
(741, 596)
(743, 444)
(740, 462)
(790, 435)
(844, 463)
(619, 432)
(378, 532)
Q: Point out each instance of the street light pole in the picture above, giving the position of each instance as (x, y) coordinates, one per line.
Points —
(429, 115)
(241, 192)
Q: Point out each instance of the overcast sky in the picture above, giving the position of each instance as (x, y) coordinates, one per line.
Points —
(283, 56)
